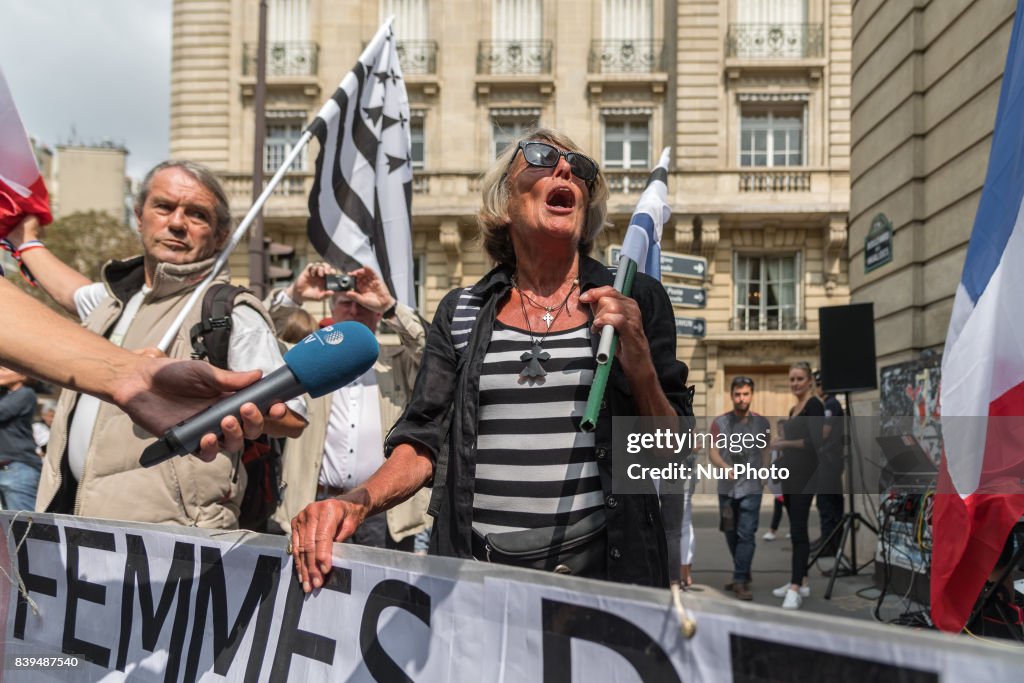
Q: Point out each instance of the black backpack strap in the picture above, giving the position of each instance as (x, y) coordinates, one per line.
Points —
(211, 335)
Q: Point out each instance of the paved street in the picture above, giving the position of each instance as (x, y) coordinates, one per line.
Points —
(713, 568)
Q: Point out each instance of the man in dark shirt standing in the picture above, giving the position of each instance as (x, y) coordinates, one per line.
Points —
(19, 464)
(739, 499)
(829, 500)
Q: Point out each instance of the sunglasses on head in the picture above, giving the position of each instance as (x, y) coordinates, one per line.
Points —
(543, 155)
(742, 382)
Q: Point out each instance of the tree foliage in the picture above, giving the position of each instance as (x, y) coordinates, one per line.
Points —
(84, 241)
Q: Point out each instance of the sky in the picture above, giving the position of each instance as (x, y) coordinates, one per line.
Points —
(100, 68)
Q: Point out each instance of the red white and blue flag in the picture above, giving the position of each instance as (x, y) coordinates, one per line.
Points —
(22, 191)
(980, 493)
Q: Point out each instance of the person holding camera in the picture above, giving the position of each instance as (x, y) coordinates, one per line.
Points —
(344, 442)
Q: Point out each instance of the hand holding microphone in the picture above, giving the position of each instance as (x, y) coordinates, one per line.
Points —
(319, 364)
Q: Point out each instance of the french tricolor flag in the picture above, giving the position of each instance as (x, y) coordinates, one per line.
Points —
(981, 495)
(22, 191)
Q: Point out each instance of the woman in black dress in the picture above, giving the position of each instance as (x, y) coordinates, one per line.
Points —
(800, 456)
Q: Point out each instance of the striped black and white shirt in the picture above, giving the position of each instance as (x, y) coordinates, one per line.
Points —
(534, 468)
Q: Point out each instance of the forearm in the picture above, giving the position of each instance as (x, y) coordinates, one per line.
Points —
(648, 397)
(403, 474)
(278, 299)
(407, 325)
(95, 366)
(56, 278)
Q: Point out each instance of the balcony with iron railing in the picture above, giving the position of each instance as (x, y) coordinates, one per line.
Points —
(624, 184)
(417, 57)
(626, 56)
(775, 41)
(775, 180)
(290, 197)
(769, 322)
(512, 57)
(287, 59)
(764, 191)
(626, 181)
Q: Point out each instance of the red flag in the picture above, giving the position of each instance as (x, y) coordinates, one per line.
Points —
(22, 191)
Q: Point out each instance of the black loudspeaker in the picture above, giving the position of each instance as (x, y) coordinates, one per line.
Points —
(847, 337)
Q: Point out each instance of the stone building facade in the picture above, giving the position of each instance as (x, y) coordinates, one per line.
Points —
(751, 96)
(926, 82)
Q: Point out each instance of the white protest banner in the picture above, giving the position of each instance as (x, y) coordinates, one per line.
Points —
(121, 601)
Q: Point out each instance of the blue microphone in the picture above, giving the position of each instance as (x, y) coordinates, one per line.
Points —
(324, 361)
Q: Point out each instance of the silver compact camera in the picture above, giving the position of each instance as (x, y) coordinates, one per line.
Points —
(340, 283)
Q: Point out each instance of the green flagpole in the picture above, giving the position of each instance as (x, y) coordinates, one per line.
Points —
(623, 283)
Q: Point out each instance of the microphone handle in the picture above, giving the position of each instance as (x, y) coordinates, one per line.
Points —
(182, 439)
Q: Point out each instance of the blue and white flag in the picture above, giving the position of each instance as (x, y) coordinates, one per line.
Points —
(360, 208)
(642, 243)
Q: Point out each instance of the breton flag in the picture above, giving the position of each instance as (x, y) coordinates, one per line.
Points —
(980, 487)
(642, 243)
(22, 191)
(360, 209)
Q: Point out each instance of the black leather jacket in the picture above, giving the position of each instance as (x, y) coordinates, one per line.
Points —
(442, 419)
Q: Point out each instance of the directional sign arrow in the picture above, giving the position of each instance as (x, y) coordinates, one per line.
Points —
(690, 327)
(685, 295)
(682, 265)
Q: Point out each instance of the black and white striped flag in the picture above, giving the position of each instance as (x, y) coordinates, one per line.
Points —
(360, 209)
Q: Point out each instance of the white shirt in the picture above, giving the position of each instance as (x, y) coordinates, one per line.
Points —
(353, 447)
(252, 346)
(40, 434)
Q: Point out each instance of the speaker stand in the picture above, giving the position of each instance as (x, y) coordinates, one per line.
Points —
(849, 523)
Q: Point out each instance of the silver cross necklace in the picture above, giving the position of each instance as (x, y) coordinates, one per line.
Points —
(536, 355)
(548, 310)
